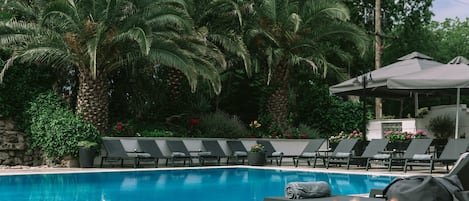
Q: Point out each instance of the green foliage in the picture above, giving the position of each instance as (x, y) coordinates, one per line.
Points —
(310, 132)
(222, 125)
(87, 144)
(442, 126)
(19, 87)
(330, 114)
(156, 133)
(55, 129)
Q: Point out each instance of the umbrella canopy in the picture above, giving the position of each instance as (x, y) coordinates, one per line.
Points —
(454, 75)
(377, 79)
(448, 76)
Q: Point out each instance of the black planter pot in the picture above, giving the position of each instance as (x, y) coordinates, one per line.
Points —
(333, 145)
(360, 147)
(398, 146)
(86, 157)
(439, 145)
(256, 158)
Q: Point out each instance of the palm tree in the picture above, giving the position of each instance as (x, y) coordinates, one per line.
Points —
(98, 37)
(219, 24)
(288, 37)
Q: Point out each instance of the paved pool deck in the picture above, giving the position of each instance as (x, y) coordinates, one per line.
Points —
(19, 170)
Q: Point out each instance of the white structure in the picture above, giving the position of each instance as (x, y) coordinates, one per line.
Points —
(377, 127)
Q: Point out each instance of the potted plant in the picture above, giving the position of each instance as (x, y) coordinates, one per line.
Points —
(256, 155)
(86, 153)
(442, 127)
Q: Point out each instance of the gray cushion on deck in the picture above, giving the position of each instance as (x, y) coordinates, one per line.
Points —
(342, 154)
(131, 154)
(240, 153)
(309, 154)
(277, 153)
(205, 153)
(178, 154)
(422, 156)
(382, 156)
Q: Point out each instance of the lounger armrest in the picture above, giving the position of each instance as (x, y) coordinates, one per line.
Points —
(462, 195)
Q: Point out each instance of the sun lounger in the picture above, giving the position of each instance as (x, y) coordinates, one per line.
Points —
(179, 152)
(115, 152)
(451, 152)
(270, 152)
(374, 147)
(310, 152)
(150, 147)
(215, 152)
(238, 151)
(341, 152)
(417, 148)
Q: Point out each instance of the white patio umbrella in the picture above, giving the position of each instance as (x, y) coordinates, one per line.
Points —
(454, 75)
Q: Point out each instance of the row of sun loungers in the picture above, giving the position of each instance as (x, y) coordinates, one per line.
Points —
(415, 155)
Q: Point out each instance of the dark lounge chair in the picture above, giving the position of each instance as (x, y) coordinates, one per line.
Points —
(342, 151)
(374, 147)
(115, 152)
(270, 152)
(310, 152)
(453, 149)
(179, 152)
(150, 147)
(214, 152)
(416, 149)
(238, 151)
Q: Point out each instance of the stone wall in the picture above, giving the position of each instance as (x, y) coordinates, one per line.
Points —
(13, 146)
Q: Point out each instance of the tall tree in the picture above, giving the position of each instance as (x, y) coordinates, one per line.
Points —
(288, 37)
(98, 37)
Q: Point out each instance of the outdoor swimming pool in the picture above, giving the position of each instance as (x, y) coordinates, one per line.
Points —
(211, 184)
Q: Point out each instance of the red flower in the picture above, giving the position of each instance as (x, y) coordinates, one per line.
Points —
(195, 121)
(289, 136)
(304, 136)
(251, 136)
(119, 127)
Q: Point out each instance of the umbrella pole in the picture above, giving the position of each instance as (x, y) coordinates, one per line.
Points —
(456, 130)
(416, 104)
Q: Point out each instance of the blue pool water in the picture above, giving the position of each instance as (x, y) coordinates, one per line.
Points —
(214, 184)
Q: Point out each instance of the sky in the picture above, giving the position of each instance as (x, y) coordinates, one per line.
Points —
(450, 9)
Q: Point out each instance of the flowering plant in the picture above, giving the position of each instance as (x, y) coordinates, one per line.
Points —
(122, 129)
(401, 136)
(342, 135)
(257, 148)
(255, 127)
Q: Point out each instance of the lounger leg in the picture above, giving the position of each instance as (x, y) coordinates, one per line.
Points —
(431, 166)
(390, 165)
(405, 166)
(101, 165)
(368, 165)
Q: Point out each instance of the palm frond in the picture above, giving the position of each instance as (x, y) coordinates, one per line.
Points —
(138, 35)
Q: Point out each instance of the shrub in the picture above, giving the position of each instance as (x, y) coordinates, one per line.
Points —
(55, 129)
(156, 133)
(220, 124)
(442, 126)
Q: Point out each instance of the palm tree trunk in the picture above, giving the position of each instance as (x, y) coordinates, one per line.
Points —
(92, 99)
(277, 104)
(174, 80)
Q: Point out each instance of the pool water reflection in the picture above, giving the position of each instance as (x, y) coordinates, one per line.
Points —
(230, 184)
